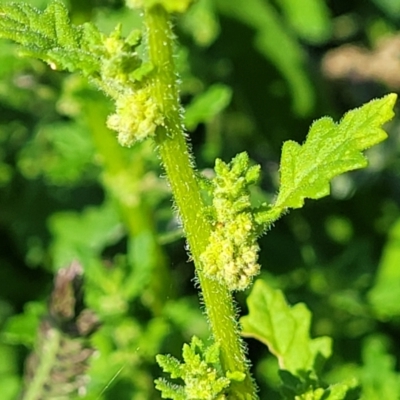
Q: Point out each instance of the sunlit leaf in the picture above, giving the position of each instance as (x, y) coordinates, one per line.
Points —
(49, 35)
(284, 329)
(330, 150)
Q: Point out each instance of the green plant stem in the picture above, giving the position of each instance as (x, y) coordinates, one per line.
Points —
(178, 165)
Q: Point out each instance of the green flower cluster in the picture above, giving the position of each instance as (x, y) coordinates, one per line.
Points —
(136, 118)
(137, 115)
(232, 253)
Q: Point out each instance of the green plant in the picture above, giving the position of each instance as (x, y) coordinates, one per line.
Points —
(221, 217)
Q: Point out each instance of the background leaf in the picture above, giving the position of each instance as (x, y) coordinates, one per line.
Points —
(384, 296)
(310, 19)
(390, 7)
(82, 236)
(270, 38)
(207, 105)
(378, 375)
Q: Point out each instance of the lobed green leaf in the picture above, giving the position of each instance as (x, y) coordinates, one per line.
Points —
(284, 329)
(330, 150)
(50, 36)
(169, 364)
(22, 23)
(65, 33)
(14, 20)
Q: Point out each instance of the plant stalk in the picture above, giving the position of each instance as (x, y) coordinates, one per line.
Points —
(178, 164)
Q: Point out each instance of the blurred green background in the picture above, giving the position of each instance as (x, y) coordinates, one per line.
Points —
(253, 73)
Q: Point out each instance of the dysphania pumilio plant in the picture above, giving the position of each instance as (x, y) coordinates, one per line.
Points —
(137, 72)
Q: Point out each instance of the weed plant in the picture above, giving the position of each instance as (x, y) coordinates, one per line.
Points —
(96, 153)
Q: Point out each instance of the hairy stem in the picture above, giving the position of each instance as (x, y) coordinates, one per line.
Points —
(178, 165)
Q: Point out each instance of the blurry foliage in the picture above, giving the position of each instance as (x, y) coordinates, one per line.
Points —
(251, 78)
